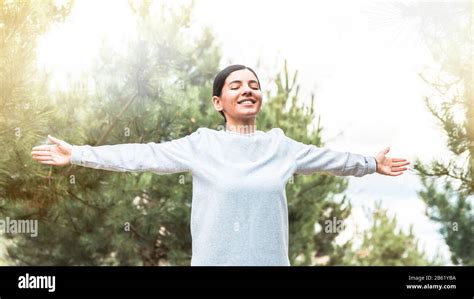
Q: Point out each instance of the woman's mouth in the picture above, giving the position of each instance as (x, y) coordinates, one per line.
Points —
(246, 102)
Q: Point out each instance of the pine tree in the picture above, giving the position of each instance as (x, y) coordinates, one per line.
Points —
(384, 244)
(24, 107)
(445, 28)
(154, 91)
(449, 185)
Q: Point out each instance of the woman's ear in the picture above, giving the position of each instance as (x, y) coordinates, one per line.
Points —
(217, 103)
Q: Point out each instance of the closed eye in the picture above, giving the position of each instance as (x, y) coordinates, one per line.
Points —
(237, 87)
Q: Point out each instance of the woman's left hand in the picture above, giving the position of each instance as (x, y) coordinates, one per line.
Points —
(390, 166)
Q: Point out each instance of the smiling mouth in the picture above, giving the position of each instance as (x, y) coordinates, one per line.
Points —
(246, 101)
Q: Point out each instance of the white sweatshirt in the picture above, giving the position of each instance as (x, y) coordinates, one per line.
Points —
(239, 213)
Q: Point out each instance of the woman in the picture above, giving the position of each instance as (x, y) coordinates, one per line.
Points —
(239, 211)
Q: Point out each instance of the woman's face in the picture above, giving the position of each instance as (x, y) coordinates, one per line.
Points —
(241, 97)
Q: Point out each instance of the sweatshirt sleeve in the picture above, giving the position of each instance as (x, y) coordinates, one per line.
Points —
(161, 158)
(310, 158)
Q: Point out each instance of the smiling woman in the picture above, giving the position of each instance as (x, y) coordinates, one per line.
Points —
(239, 214)
(237, 96)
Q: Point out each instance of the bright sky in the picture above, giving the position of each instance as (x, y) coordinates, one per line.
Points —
(362, 66)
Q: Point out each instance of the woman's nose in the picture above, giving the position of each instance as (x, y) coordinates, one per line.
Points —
(246, 90)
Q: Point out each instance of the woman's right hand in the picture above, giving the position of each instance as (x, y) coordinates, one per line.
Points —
(56, 154)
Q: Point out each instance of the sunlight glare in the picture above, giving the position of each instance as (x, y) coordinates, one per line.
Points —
(69, 48)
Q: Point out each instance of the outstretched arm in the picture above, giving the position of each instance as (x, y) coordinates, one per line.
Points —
(162, 158)
(310, 159)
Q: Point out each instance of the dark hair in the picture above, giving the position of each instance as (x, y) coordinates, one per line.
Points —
(222, 76)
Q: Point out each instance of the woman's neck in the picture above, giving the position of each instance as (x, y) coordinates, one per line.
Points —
(241, 127)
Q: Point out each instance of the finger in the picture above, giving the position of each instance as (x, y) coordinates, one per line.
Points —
(41, 153)
(400, 164)
(42, 158)
(395, 173)
(398, 169)
(43, 147)
(48, 162)
(54, 140)
(398, 160)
